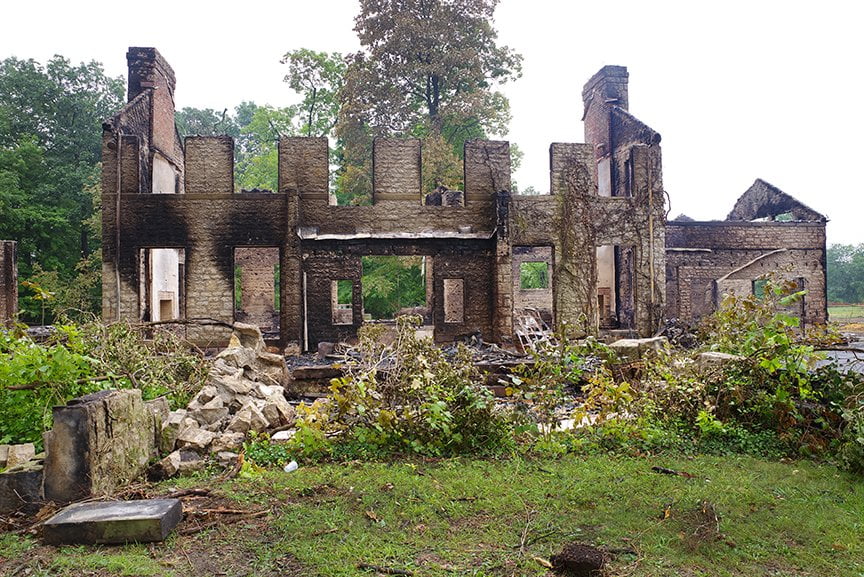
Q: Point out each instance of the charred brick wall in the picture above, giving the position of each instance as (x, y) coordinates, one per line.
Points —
(574, 220)
(471, 261)
(398, 207)
(208, 227)
(701, 253)
(150, 73)
(8, 282)
(209, 165)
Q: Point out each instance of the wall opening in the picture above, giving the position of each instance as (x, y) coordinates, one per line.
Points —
(606, 283)
(454, 300)
(161, 284)
(342, 302)
(623, 294)
(256, 288)
(532, 282)
(395, 285)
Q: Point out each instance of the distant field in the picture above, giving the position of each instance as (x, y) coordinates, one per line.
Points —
(845, 313)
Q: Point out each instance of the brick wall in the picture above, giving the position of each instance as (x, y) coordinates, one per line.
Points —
(701, 253)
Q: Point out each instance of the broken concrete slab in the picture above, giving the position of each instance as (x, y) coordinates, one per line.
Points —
(4, 452)
(113, 522)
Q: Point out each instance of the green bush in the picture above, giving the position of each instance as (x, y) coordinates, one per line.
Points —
(408, 397)
(75, 361)
(35, 377)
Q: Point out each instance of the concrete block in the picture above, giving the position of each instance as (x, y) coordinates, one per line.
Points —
(115, 522)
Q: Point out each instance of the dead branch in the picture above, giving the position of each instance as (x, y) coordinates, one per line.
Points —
(189, 493)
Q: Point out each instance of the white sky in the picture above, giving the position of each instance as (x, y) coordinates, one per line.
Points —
(738, 89)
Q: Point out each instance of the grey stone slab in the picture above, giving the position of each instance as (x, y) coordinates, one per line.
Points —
(113, 522)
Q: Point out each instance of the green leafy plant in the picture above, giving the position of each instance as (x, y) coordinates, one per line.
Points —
(408, 397)
(259, 449)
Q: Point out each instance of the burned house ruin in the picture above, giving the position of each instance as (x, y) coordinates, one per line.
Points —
(178, 240)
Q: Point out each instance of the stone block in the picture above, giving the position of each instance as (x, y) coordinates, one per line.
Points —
(113, 522)
(249, 418)
(211, 413)
(21, 488)
(4, 452)
(96, 445)
(170, 429)
(227, 442)
(195, 439)
(713, 360)
(630, 350)
(19, 454)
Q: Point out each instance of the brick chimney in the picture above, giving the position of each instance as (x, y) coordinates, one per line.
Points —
(148, 70)
(609, 85)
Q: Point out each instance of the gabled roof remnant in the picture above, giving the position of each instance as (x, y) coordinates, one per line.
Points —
(764, 201)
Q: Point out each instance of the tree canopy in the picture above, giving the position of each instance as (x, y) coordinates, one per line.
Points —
(427, 69)
(50, 147)
(846, 273)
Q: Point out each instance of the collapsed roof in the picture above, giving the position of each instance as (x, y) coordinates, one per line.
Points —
(764, 201)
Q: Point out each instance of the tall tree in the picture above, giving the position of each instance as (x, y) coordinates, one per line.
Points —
(429, 69)
(431, 62)
(317, 77)
(50, 146)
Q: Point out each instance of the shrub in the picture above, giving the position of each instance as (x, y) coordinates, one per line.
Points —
(75, 361)
(408, 397)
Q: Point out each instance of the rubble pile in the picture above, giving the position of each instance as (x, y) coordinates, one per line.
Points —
(245, 391)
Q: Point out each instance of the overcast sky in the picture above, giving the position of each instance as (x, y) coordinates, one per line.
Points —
(739, 90)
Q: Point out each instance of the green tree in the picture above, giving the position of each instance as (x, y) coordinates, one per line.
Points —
(428, 69)
(318, 78)
(846, 273)
(434, 63)
(391, 283)
(50, 147)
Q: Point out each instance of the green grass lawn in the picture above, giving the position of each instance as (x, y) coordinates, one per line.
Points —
(737, 516)
(842, 313)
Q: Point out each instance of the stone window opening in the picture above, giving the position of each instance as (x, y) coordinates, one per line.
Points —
(161, 284)
(256, 288)
(396, 285)
(533, 279)
(342, 301)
